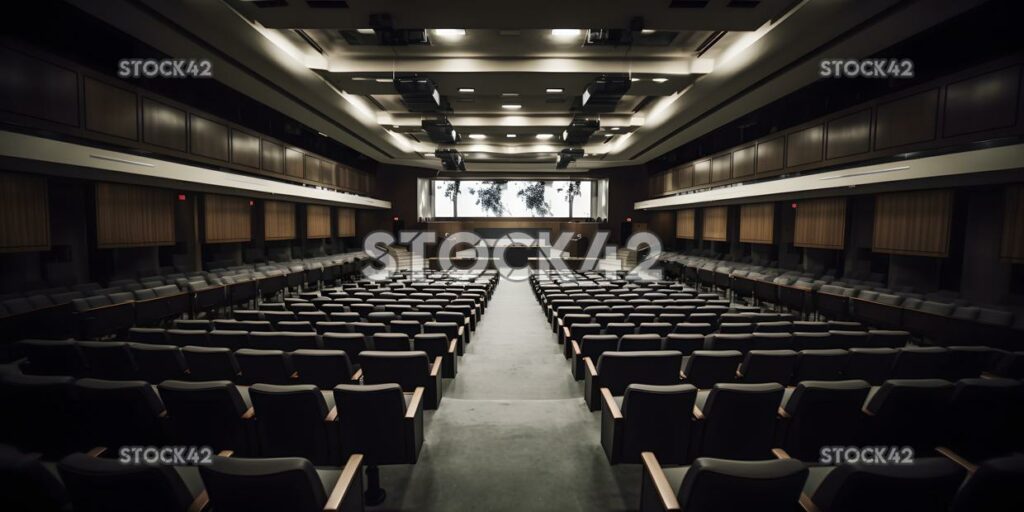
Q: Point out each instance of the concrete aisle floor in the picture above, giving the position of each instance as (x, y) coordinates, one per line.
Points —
(512, 432)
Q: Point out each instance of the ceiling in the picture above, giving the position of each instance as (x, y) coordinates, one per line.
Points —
(693, 65)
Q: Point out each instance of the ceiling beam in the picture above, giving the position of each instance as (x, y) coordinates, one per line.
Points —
(663, 66)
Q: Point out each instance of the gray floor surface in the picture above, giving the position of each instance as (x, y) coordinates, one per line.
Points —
(512, 432)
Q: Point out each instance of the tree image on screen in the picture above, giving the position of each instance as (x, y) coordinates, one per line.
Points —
(533, 198)
(571, 193)
(488, 197)
(451, 191)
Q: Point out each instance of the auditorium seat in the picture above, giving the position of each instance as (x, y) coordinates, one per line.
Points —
(738, 342)
(761, 366)
(909, 413)
(351, 343)
(407, 369)
(451, 330)
(985, 417)
(992, 486)
(233, 340)
(40, 413)
(209, 413)
(392, 341)
(705, 368)
(96, 484)
(684, 343)
(286, 483)
(323, 368)
(210, 363)
(120, 413)
(966, 362)
(920, 363)
(157, 363)
(639, 342)
(617, 370)
(927, 485)
(439, 345)
(294, 421)
(657, 419)
(264, 366)
(286, 341)
(181, 337)
(739, 421)
(873, 365)
(592, 346)
(147, 335)
(52, 357)
(820, 413)
(28, 483)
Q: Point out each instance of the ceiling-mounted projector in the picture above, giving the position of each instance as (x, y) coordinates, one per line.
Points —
(388, 35)
(579, 131)
(603, 94)
(440, 130)
(451, 159)
(419, 93)
(567, 156)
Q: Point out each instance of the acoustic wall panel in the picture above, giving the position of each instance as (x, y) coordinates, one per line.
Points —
(278, 220)
(721, 168)
(743, 162)
(164, 125)
(907, 120)
(208, 138)
(1013, 226)
(318, 221)
(272, 156)
(716, 222)
(849, 135)
(983, 102)
(686, 224)
(133, 216)
(24, 213)
(227, 219)
(111, 110)
(51, 94)
(346, 222)
(804, 146)
(702, 172)
(757, 223)
(294, 164)
(245, 149)
(914, 223)
(771, 155)
(821, 223)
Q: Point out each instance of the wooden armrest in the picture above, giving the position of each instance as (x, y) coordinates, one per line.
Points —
(226, 453)
(341, 487)
(989, 375)
(610, 405)
(739, 374)
(955, 457)
(96, 452)
(200, 502)
(333, 415)
(163, 414)
(660, 481)
(453, 347)
(866, 411)
(682, 375)
(565, 332)
(357, 375)
(414, 404)
(294, 376)
(249, 414)
(697, 414)
(780, 454)
(590, 366)
(436, 368)
(560, 322)
(461, 330)
(576, 348)
(807, 504)
(783, 413)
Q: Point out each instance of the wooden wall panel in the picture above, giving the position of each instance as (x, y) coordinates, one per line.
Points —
(757, 222)
(311, 167)
(346, 222)
(721, 168)
(907, 120)
(245, 149)
(272, 156)
(50, 95)
(208, 138)
(821, 223)
(914, 223)
(278, 220)
(804, 146)
(982, 103)
(743, 162)
(1013, 225)
(24, 213)
(849, 135)
(685, 176)
(771, 155)
(318, 221)
(111, 110)
(686, 224)
(227, 219)
(294, 164)
(133, 216)
(716, 223)
(164, 125)
(702, 172)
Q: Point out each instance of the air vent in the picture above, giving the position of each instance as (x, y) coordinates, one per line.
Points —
(327, 4)
(744, 4)
(688, 4)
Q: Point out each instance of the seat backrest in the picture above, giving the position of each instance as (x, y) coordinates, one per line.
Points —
(887, 339)
(705, 368)
(147, 335)
(407, 369)
(994, 486)
(210, 363)
(738, 342)
(244, 485)
(392, 341)
(41, 413)
(233, 340)
(100, 485)
(118, 413)
(371, 421)
(53, 357)
(322, 368)
(768, 366)
(684, 343)
(434, 344)
(639, 342)
(352, 343)
(714, 484)
(823, 413)
(927, 485)
(740, 421)
(848, 339)
(182, 337)
(26, 484)
(290, 421)
(870, 364)
(408, 327)
(920, 363)
(910, 412)
(264, 366)
(593, 345)
(658, 419)
(985, 417)
(286, 341)
(157, 363)
(206, 414)
(620, 369)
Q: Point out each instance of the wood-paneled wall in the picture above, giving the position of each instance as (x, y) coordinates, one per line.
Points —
(318, 221)
(821, 223)
(757, 222)
(716, 223)
(346, 222)
(278, 220)
(133, 216)
(914, 223)
(227, 219)
(1013, 225)
(24, 213)
(686, 224)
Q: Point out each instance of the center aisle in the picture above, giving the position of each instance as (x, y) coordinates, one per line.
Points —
(512, 420)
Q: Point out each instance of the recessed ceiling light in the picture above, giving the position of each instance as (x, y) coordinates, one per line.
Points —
(659, 80)
(367, 31)
(467, 89)
(384, 80)
(565, 32)
(609, 135)
(510, 94)
(510, 135)
(477, 136)
(511, 106)
(647, 31)
(634, 79)
(449, 32)
(614, 128)
(554, 90)
(544, 136)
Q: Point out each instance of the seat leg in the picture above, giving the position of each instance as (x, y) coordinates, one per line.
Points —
(374, 494)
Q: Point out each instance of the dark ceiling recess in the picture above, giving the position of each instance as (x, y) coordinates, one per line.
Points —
(938, 51)
(387, 35)
(744, 4)
(327, 4)
(688, 4)
(269, 3)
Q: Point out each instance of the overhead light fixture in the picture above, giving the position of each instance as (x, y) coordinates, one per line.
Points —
(609, 135)
(554, 90)
(659, 80)
(511, 106)
(467, 89)
(384, 80)
(449, 32)
(544, 136)
(634, 79)
(477, 136)
(365, 31)
(614, 128)
(647, 31)
(565, 33)
(510, 135)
